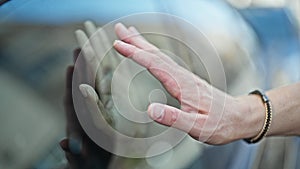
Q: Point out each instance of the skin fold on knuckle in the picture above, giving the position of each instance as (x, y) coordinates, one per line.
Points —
(167, 117)
(129, 39)
(173, 116)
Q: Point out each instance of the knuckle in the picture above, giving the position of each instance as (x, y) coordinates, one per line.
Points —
(129, 40)
(132, 51)
(174, 116)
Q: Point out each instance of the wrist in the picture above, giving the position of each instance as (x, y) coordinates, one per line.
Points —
(253, 112)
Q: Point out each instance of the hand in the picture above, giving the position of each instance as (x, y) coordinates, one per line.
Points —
(80, 150)
(206, 113)
(97, 73)
(92, 77)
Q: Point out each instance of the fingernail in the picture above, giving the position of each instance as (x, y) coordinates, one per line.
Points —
(83, 91)
(157, 112)
(116, 42)
(120, 43)
(89, 91)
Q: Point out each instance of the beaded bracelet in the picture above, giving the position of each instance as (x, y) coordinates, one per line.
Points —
(268, 118)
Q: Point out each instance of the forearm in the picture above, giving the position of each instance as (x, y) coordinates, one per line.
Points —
(285, 115)
(286, 110)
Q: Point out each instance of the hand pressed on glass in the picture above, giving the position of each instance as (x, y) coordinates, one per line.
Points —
(194, 94)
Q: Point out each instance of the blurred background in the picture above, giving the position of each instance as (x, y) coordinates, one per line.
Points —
(258, 42)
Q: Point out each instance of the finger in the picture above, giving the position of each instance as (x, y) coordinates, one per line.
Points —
(113, 59)
(142, 43)
(100, 41)
(104, 86)
(101, 117)
(90, 28)
(89, 55)
(101, 44)
(85, 45)
(165, 73)
(177, 80)
(81, 38)
(140, 56)
(94, 39)
(133, 37)
(170, 116)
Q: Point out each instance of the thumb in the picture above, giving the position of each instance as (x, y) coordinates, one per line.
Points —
(95, 106)
(170, 116)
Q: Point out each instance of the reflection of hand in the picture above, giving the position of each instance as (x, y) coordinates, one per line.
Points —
(94, 76)
(206, 112)
(80, 151)
(97, 87)
(94, 44)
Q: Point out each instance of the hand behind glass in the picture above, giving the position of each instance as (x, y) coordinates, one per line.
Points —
(206, 113)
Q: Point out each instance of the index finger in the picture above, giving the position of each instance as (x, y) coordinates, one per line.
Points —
(167, 74)
(132, 36)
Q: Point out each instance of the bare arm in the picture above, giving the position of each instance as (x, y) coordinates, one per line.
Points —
(286, 110)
